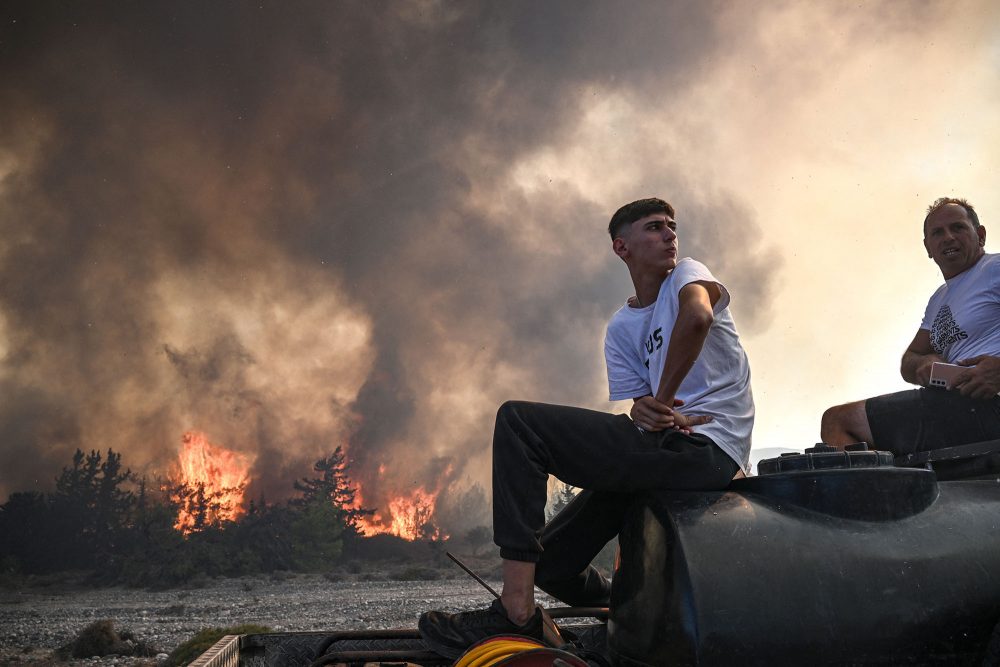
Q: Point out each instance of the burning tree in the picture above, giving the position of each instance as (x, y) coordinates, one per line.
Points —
(412, 517)
(166, 531)
(209, 486)
(333, 487)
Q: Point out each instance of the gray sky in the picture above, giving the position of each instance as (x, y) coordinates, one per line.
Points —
(297, 226)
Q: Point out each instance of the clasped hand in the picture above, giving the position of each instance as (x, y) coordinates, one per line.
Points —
(650, 414)
(982, 380)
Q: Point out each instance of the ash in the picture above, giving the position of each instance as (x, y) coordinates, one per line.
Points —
(35, 621)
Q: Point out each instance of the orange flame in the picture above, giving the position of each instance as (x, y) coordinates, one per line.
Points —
(217, 474)
(408, 517)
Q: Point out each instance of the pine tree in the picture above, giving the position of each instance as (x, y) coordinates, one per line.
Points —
(156, 548)
(334, 486)
(113, 509)
(28, 534)
(94, 508)
(316, 535)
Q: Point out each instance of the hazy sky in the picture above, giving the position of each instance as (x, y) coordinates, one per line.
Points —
(298, 225)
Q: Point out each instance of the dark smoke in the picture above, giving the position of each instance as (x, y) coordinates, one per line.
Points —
(292, 226)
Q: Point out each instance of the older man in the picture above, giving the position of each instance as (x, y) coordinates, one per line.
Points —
(961, 326)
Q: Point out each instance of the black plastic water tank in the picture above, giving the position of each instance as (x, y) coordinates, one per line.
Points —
(811, 563)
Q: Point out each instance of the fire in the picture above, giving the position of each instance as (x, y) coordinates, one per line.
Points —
(209, 484)
(408, 517)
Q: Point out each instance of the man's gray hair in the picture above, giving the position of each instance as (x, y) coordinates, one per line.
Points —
(944, 201)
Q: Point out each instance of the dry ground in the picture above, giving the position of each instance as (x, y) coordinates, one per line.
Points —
(36, 619)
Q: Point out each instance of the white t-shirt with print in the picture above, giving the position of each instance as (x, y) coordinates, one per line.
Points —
(963, 315)
(635, 348)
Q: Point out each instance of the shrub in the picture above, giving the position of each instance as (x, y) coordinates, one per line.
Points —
(101, 638)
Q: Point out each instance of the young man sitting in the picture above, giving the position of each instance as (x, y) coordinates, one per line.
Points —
(674, 350)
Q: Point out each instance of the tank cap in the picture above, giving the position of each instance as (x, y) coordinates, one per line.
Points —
(856, 447)
(820, 447)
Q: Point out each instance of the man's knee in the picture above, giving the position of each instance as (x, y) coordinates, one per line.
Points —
(510, 437)
(831, 419)
(843, 424)
(507, 411)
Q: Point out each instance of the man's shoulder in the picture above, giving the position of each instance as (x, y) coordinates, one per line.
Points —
(626, 317)
(989, 279)
(617, 318)
(691, 267)
(982, 276)
(690, 263)
(627, 326)
(991, 261)
(986, 269)
(689, 270)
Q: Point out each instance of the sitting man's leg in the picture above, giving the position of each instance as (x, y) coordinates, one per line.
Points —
(583, 448)
(572, 539)
(915, 420)
(845, 424)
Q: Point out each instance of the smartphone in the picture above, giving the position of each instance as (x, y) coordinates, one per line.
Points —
(942, 375)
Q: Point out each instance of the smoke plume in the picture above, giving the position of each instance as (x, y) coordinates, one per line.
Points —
(298, 226)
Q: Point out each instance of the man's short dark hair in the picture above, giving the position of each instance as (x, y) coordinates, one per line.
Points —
(631, 212)
(944, 201)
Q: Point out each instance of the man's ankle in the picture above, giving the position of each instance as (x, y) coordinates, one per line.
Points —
(518, 594)
(518, 612)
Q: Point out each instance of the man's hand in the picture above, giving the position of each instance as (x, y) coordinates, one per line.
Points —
(683, 422)
(981, 381)
(650, 414)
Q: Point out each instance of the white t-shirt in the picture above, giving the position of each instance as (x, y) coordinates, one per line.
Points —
(963, 315)
(635, 348)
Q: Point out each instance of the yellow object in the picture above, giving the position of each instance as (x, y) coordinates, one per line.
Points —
(493, 651)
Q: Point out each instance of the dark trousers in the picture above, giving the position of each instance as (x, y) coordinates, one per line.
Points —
(602, 453)
(918, 420)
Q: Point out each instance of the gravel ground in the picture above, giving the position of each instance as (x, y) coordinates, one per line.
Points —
(36, 621)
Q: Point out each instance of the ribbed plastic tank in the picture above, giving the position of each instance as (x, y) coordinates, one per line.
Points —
(828, 557)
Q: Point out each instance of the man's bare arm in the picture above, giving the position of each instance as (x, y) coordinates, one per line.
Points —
(917, 359)
(695, 315)
(694, 318)
(982, 380)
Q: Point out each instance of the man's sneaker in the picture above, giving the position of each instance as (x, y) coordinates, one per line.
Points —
(451, 634)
